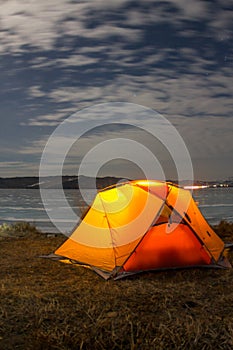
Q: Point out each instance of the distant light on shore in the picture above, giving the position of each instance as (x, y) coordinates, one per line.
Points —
(195, 187)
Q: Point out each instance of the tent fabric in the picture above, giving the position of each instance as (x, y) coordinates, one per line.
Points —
(142, 225)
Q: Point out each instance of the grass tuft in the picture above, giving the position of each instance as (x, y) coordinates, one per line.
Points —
(19, 229)
(225, 230)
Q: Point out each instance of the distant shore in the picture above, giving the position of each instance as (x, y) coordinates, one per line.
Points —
(53, 182)
(72, 182)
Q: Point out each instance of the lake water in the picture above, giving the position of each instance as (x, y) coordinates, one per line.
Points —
(26, 205)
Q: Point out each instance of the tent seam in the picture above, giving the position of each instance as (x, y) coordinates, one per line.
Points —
(113, 246)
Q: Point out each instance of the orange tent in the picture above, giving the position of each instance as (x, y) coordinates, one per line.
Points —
(142, 225)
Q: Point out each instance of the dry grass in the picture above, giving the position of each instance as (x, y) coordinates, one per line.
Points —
(50, 305)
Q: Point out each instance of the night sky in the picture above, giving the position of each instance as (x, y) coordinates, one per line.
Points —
(58, 57)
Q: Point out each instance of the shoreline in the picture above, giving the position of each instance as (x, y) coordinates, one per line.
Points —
(24, 228)
(33, 226)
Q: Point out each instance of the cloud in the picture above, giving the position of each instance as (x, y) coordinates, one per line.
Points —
(30, 23)
(40, 24)
(50, 120)
(36, 91)
(18, 168)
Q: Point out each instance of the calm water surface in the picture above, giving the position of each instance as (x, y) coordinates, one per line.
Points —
(26, 205)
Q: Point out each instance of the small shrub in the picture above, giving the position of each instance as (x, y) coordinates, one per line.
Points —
(18, 229)
(225, 230)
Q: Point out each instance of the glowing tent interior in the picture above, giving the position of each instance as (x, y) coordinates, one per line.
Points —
(142, 225)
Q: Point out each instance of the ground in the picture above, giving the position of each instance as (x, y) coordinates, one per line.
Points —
(49, 305)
